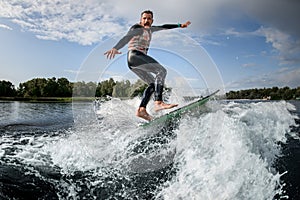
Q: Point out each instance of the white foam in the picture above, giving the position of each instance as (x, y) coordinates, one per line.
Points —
(229, 155)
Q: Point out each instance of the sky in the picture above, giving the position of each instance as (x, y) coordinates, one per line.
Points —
(233, 44)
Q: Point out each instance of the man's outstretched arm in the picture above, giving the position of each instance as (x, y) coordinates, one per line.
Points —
(134, 30)
(170, 26)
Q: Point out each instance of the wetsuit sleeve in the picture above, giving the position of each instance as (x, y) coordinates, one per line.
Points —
(165, 26)
(133, 31)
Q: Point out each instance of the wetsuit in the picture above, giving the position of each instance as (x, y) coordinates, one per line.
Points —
(144, 66)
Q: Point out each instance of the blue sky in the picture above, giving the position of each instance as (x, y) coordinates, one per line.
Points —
(241, 44)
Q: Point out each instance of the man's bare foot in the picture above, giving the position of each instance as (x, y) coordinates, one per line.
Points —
(160, 105)
(142, 113)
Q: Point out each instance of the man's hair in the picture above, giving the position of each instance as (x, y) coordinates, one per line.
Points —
(147, 12)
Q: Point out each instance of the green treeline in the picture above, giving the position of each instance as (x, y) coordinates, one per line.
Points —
(273, 93)
(62, 87)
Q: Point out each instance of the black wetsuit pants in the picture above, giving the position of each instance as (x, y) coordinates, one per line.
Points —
(150, 71)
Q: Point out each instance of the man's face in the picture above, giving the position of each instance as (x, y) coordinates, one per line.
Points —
(146, 20)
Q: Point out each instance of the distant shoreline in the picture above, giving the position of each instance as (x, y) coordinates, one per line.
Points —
(91, 99)
(48, 99)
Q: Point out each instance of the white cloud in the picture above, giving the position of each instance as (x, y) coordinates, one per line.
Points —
(232, 32)
(71, 71)
(287, 46)
(281, 14)
(82, 22)
(281, 78)
(288, 77)
(249, 64)
(90, 21)
(5, 27)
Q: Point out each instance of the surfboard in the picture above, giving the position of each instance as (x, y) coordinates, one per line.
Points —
(179, 111)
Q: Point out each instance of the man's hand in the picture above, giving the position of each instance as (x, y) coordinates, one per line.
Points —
(111, 53)
(186, 24)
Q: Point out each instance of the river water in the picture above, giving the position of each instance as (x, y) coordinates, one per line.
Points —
(227, 150)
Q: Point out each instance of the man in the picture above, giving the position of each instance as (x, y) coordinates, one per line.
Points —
(144, 66)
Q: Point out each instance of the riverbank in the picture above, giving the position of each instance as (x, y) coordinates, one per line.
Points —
(47, 99)
(88, 99)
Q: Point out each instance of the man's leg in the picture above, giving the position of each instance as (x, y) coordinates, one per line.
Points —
(147, 95)
(144, 66)
(142, 112)
(144, 71)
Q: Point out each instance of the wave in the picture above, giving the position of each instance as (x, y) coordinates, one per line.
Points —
(229, 154)
(226, 151)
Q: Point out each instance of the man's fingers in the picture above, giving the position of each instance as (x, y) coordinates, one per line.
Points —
(111, 53)
(107, 54)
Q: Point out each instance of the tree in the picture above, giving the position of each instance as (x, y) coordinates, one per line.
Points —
(138, 88)
(64, 88)
(7, 89)
(98, 90)
(121, 89)
(297, 93)
(82, 89)
(51, 88)
(41, 87)
(106, 87)
(275, 93)
(34, 87)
